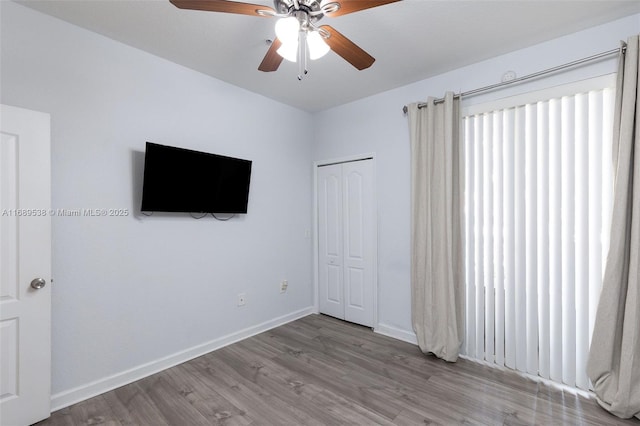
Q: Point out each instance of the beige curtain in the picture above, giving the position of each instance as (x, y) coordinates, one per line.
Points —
(614, 359)
(437, 277)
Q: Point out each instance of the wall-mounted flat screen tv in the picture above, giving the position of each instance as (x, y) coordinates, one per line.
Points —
(182, 180)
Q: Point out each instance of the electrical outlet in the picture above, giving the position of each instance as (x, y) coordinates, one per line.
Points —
(508, 76)
(242, 299)
(283, 286)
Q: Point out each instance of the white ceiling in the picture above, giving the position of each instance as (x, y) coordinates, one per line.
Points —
(411, 40)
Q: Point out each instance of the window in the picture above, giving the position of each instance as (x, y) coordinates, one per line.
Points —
(537, 210)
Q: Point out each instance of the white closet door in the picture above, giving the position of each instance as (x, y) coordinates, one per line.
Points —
(358, 214)
(346, 233)
(330, 279)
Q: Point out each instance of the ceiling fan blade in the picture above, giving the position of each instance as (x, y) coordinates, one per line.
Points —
(223, 6)
(272, 59)
(350, 6)
(349, 51)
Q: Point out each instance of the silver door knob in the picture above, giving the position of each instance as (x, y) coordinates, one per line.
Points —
(38, 283)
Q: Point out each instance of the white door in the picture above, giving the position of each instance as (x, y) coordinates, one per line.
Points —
(330, 242)
(25, 265)
(346, 241)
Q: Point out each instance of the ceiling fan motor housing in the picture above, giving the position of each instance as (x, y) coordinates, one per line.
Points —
(310, 8)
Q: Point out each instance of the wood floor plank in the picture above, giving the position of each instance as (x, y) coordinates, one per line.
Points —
(121, 412)
(345, 411)
(95, 411)
(259, 403)
(141, 409)
(293, 390)
(322, 371)
(514, 403)
(171, 402)
(483, 406)
(315, 371)
(213, 406)
(61, 417)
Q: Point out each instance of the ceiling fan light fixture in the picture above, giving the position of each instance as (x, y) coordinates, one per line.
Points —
(317, 46)
(287, 30)
(289, 51)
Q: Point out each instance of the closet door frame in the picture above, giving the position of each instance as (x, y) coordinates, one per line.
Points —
(347, 159)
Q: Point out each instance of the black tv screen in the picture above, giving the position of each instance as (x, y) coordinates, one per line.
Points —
(182, 180)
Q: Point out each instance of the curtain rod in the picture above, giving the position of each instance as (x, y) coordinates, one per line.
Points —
(529, 76)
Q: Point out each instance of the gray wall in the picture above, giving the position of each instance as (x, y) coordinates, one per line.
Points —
(376, 124)
(131, 290)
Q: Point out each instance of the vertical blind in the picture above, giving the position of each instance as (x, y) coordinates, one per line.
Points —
(537, 208)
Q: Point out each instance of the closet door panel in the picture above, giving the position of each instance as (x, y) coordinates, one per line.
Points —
(330, 241)
(358, 225)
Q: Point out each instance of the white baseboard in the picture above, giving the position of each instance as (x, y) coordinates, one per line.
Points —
(81, 393)
(396, 333)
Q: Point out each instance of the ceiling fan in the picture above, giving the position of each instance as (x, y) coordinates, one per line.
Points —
(298, 36)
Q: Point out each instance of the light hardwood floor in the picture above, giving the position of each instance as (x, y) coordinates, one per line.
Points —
(322, 371)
